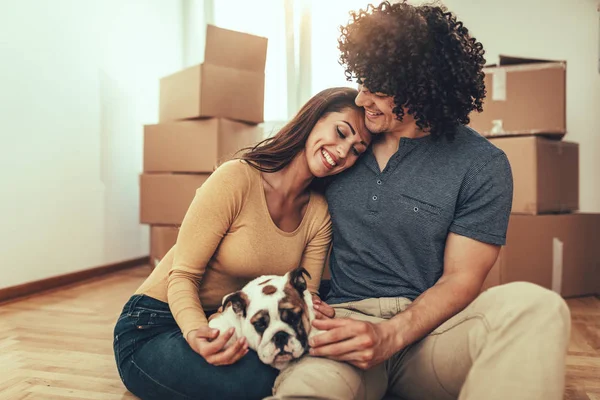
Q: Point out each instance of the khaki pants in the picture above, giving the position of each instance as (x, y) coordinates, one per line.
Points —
(509, 343)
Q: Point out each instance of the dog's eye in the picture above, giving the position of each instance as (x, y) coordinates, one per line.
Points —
(261, 325)
(290, 317)
(294, 318)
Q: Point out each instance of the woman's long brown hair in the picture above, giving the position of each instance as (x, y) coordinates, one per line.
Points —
(274, 153)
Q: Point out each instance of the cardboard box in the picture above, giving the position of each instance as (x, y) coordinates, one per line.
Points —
(558, 252)
(195, 145)
(524, 97)
(162, 239)
(165, 198)
(229, 84)
(545, 174)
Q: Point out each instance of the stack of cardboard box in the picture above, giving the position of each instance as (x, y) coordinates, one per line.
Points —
(548, 242)
(207, 113)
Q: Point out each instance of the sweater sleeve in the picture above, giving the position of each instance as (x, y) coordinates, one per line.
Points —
(214, 208)
(313, 258)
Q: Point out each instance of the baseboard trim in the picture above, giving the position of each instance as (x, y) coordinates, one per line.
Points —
(35, 287)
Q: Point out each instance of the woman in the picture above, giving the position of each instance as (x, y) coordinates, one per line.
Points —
(255, 215)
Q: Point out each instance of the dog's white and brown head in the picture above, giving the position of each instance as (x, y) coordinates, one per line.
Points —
(274, 313)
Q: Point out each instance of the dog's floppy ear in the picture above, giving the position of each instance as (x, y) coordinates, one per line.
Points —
(238, 301)
(297, 279)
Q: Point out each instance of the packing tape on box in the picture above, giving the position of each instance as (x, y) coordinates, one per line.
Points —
(557, 265)
(497, 127)
(499, 85)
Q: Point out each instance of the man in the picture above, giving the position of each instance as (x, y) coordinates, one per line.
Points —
(417, 225)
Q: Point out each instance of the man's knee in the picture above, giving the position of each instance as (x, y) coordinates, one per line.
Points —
(314, 377)
(534, 304)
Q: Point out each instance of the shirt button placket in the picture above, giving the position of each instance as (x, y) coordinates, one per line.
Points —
(374, 200)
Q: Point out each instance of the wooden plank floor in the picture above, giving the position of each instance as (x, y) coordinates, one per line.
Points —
(58, 345)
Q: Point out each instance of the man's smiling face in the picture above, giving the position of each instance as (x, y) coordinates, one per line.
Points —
(379, 111)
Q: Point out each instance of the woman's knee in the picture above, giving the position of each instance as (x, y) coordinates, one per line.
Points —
(144, 385)
(189, 375)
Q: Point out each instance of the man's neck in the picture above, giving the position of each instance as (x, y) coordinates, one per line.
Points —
(387, 143)
(408, 130)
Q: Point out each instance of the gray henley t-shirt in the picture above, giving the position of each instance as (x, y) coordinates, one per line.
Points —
(390, 227)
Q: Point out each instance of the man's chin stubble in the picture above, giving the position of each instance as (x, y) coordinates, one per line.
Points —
(376, 130)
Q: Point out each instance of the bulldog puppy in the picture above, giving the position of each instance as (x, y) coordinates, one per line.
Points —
(274, 313)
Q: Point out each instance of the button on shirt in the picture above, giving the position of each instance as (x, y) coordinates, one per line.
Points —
(390, 227)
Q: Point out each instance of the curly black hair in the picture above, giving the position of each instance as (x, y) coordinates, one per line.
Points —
(422, 56)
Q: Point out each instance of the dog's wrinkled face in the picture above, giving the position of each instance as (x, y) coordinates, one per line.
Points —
(274, 314)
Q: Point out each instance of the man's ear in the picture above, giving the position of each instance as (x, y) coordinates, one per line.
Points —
(238, 301)
(297, 279)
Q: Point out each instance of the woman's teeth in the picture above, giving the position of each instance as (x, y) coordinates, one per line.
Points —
(328, 158)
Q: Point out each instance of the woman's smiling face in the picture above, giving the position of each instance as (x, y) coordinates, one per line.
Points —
(336, 142)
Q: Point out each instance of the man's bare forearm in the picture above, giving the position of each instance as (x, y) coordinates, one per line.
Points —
(446, 298)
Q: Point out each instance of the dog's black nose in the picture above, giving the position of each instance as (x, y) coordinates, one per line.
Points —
(280, 339)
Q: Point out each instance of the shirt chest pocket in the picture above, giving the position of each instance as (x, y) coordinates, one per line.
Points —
(421, 216)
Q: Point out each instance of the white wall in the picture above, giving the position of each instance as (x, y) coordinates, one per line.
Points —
(551, 29)
(78, 78)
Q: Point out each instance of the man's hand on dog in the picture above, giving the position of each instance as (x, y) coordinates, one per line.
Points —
(362, 344)
(209, 344)
(322, 309)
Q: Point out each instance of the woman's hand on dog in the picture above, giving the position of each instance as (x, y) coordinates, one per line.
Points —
(210, 343)
(322, 309)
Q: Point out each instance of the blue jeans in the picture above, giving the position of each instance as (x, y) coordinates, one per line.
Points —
(155, 361)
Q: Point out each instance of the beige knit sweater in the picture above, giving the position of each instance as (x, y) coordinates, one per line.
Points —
(228, 238)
